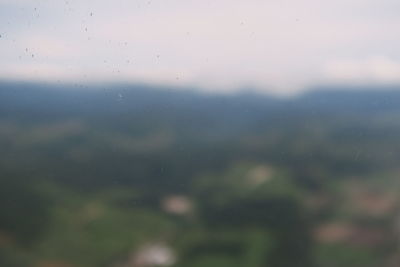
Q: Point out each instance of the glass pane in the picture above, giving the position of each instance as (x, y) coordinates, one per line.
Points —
(199, 133)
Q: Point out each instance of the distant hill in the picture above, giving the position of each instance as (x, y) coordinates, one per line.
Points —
(119, 97)
(191, 112)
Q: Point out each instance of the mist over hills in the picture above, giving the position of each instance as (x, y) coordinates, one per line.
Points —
(119, 97)
(196, 115)
(192, 113)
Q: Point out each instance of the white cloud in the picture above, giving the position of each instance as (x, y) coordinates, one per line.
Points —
(282, 46)
(376, 70)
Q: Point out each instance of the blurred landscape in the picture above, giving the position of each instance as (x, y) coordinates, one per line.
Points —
(122, 175)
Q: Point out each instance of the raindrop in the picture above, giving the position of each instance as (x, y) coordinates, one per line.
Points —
(33, 55)
(91, 14)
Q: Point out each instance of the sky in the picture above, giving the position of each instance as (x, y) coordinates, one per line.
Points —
(276, 46)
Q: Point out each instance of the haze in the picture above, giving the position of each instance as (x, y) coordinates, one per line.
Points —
(274, 46)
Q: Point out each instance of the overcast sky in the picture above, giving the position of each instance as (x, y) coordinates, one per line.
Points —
(278, 46)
